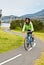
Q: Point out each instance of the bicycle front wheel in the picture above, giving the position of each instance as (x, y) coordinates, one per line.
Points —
(26, 44)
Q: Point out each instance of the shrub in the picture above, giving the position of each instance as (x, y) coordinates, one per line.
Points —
(16, 24)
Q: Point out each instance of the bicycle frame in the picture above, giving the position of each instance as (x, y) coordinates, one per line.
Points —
(29, 41)
(29, 38)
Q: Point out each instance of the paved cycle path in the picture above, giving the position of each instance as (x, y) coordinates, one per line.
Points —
(20, 56)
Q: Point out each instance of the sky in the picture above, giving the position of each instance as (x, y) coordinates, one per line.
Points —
(20, 7)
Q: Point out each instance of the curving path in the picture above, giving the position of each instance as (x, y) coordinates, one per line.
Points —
(20, 56)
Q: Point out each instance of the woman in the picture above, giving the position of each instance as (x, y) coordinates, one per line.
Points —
(28, 26)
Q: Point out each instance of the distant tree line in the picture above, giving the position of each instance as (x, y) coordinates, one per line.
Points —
(38, 25)
(18, 24)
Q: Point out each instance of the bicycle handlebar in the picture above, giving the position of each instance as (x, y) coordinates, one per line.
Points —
(29, 31)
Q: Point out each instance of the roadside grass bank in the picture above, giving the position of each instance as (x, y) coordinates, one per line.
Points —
(39, 35)
(9, 41)
(40, 60)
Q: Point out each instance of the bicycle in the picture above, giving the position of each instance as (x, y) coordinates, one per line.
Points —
(29, 41)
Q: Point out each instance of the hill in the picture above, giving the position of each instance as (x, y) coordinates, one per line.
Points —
(38, 15)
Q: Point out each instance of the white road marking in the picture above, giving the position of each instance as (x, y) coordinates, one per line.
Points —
(10, 59)
(30, 49)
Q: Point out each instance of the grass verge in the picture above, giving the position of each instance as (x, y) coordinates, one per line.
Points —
(40, 61)
(39, 35)
(9, 41)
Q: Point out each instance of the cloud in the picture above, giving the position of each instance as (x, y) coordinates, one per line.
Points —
(14, 11)
(20, 7)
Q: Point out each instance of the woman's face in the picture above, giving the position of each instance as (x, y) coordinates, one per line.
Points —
(27, 20)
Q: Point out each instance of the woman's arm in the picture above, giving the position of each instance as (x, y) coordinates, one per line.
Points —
(32, 28)
(23, 28)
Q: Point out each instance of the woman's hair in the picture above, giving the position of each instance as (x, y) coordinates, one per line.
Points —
(28, 19)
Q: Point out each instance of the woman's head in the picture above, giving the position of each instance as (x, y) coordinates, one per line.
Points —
(27, 20)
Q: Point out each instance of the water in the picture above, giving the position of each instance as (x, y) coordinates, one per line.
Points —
(5, 25)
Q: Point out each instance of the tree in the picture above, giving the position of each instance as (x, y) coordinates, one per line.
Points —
(16, 24)
(38, 25)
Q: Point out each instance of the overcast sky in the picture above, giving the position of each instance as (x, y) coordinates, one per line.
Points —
(20, 7)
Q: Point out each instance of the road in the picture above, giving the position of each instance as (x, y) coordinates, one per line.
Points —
(20, 56)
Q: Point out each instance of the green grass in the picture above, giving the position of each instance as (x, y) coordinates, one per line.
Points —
(40, 60)
(39, 35)
(9, 41)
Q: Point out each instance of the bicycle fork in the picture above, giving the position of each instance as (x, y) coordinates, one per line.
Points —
(29, 40)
